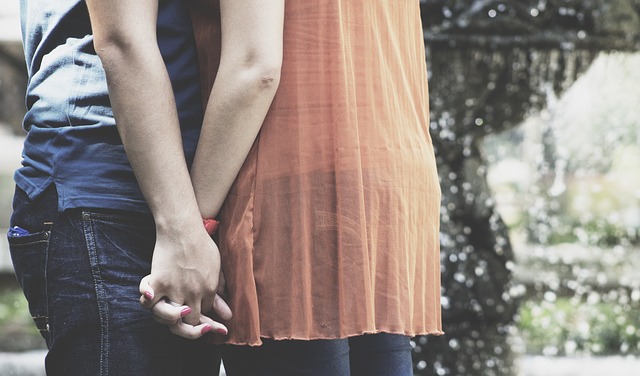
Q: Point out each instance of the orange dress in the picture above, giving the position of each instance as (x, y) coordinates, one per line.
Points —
(331, 227)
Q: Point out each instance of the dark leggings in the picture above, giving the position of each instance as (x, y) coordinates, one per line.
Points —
(371, 354)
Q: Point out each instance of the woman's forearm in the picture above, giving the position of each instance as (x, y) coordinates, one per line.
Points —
(244, 88)
(233, 118)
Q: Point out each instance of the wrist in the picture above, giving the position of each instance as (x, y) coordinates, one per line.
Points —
(182, 226)
(181, 223)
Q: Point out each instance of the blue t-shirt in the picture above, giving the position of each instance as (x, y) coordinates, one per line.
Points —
(72, 140)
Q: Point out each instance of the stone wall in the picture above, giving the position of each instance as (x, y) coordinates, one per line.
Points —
(12, 68)
(12, 85)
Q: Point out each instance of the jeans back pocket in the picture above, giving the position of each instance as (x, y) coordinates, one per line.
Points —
(29, 257)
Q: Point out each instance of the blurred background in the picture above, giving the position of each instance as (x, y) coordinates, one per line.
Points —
(536, 123)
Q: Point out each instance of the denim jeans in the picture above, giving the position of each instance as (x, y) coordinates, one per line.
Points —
(80, 271)
(366, 355)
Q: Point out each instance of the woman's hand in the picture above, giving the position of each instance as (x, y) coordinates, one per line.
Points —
(171, 314)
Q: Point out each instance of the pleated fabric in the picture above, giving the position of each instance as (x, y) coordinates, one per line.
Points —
(331, 227)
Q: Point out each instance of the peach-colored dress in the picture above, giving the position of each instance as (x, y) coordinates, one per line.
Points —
(331, 227)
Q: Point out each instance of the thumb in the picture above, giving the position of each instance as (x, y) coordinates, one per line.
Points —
(221, 309)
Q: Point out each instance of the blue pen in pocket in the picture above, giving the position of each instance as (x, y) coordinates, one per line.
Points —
(16, 232)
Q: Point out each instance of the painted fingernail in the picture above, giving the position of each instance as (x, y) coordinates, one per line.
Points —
(206, 329)
(148, 295)
(185, 311)
(222, 331)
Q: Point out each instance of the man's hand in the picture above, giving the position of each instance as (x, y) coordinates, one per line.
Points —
(186, 262)
(187, 317)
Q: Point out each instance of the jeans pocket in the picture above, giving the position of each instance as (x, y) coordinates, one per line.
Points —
(120, 247)
(29, 257)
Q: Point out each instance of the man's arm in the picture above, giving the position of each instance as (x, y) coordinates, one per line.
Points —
(186, 262)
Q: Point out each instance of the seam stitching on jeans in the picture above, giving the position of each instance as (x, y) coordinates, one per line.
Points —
(103, 308)
(48, 227)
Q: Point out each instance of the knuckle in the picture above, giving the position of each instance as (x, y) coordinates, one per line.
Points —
(161, 285)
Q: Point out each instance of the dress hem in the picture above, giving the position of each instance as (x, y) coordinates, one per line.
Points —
(436, 333)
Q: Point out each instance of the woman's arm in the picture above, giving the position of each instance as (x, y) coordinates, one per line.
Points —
(186, 261)
(247, 80)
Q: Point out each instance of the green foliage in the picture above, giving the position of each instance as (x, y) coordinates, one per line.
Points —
(564, 327)
(17, 331)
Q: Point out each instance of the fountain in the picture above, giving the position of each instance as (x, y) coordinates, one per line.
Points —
(491, 64)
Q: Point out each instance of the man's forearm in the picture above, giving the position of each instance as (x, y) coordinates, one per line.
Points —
(144, 106)
(147, 121)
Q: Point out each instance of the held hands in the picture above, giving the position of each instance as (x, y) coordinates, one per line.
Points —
(181, 290)
(172, 314)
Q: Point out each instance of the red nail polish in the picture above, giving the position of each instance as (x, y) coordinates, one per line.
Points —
(185, 311)
(206, 329)
(148, 295)
(221, 331)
